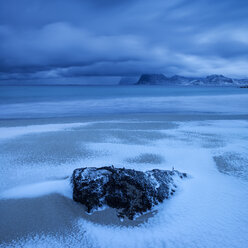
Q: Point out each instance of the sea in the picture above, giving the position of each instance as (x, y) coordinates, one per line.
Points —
(48, 131)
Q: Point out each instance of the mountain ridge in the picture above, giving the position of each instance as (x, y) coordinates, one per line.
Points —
(210, 80)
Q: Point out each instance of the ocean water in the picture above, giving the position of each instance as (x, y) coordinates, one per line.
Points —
(48, 131)
(64, 101)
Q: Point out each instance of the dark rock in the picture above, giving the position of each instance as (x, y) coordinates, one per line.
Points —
(218, 80)
(152, 79)
(181, 80)
(129, 191)
(211, 80)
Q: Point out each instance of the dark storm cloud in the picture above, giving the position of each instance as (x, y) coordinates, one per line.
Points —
(62, 38)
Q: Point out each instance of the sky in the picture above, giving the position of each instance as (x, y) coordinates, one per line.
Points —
(103, 40)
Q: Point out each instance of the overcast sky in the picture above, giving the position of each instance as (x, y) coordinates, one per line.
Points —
(70, 39)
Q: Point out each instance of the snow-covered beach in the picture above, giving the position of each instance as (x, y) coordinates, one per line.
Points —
(201, 131)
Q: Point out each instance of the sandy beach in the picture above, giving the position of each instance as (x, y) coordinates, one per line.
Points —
(38, 156)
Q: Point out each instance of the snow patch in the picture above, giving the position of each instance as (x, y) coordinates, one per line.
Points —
(12, 132)
(61, 187)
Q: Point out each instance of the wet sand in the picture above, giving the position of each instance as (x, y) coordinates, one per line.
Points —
(52, 214)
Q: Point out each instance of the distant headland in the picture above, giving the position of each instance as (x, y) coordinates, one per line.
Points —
(161, 79)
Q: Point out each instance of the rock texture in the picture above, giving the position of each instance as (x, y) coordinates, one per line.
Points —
(152, 79)
(211, 80)
(214, 80)
(129, 191)
(218, 79)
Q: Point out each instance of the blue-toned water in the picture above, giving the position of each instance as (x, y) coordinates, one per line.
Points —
(59, 101)
(24, 94)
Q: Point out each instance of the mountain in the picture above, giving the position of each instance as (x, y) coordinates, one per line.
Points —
(214, 80)
(218, 79)
(128, 80)
(176, 79)
(241, 81)
(211, 80)
(152, 79)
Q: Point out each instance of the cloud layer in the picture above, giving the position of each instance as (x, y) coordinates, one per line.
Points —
(43, 39)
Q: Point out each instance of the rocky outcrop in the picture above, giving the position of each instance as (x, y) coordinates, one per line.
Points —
(152, 79)
(129, 191)
(181, 80)
(218, 80)
(211, 80)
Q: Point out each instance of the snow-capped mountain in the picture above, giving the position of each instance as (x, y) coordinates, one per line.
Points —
(211, 80)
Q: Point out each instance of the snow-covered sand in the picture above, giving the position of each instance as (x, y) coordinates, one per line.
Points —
(209, 210)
